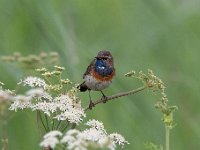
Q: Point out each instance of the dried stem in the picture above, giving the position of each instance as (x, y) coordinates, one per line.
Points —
(112, 97)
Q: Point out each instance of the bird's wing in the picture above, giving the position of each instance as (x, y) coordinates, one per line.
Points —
(89, 68)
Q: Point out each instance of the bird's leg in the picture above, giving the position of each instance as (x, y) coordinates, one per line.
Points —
(104, 97)
(91, 104)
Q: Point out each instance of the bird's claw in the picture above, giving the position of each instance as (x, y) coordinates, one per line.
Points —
(104, 99)
(91, 105)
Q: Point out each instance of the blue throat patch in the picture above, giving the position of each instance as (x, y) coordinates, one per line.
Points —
(102, 68)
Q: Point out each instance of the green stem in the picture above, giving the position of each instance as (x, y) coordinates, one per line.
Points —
(52, 128)
(40, 118)
(58, 125)
(65, 127)
(47, 122)
(167, 134)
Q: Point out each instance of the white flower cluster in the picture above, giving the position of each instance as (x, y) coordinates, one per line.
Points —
(20, 102)
(77, 140)
(33, 82)
(5, 95)
(69, 110)
(51, 139)
(63, 107)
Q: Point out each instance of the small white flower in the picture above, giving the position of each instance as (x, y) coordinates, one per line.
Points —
(46, 107)
(74, 140)
(64, 102)
(105, 142)
(118, 139)
(70, 136)
(95, 124)
(51, 139)
(20, 102)
(39, 93)
(72, 115)
(93, 134)
(49, 142)
(52, 134)
(69, 110)
(5, 95)
(33, 82)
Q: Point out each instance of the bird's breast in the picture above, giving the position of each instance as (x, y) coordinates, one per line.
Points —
(95, 84)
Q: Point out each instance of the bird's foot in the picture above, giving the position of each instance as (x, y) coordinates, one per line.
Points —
(104, 99)
(91, 105)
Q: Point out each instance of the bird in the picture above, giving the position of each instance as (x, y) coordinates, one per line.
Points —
(98, 75)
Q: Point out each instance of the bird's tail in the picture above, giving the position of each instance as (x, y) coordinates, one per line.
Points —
(83, 87)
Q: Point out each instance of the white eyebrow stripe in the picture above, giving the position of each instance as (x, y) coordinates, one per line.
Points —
(101, 67)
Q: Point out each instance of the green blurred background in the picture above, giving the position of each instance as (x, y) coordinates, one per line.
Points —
(163, 35)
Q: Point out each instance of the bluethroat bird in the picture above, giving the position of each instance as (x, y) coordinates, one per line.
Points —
(99, 75)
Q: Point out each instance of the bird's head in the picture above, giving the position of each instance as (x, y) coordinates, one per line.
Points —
(105, 56)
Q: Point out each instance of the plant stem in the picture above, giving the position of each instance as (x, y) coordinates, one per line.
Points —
(167, 134)
(58, 124)
(52, 128)
(112, 97)
(117, 96)
(47, 122)
(65, 128)
(40, 117)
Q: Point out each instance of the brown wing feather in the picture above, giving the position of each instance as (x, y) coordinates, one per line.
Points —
(89, 68)
(83, 87)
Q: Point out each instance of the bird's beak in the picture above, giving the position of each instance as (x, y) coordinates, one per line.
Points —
(98, 58)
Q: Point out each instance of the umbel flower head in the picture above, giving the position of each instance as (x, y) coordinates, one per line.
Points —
(51, 139)
(59, 106)
(5, 95)
(33, 82)
(94, 136)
